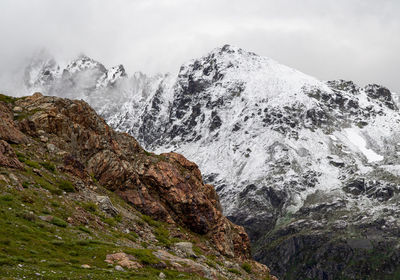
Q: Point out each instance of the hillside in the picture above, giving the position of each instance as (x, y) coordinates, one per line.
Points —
(81, 201)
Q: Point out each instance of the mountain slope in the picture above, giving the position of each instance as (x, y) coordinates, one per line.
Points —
(310, 168)
(75, 194)
(293, 160)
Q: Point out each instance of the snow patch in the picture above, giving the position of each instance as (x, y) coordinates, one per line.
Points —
(356, 139)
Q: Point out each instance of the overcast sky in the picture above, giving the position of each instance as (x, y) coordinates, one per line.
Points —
(350, 39)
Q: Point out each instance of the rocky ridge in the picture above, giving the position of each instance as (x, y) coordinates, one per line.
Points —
(49, 143)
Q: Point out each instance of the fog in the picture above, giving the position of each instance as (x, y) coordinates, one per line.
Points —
(353, 40)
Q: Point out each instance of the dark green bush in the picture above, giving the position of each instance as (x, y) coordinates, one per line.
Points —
(150, 221)
(234, 270)
(48, 165)
(162, 235)
(32, 163)
(84, 229)
(20, 156)
(58, 222)
(90, 206)
(246, 267)
(66, 186)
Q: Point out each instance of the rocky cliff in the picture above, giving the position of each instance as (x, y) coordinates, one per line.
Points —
(59, 150)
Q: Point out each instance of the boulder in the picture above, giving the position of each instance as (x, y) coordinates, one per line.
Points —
(17, 109)
(106, 205)
(123, 260)
(185, 249)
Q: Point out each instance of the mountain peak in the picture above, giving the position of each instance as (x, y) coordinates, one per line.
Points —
(230, 49)
(229, 68)
(41, 70)
(83, 62)
(111, 76)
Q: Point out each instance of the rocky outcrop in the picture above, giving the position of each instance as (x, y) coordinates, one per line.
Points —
(8, 130)
(8, 157)
(167, 187)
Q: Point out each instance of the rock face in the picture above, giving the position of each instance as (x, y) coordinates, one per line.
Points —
(8, 130)
(8, 157)
(309, 168)
(167, 186)
(106, 205)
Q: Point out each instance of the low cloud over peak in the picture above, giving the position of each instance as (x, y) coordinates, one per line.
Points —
(355, 40)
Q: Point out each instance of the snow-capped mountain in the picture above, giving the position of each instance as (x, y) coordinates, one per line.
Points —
(310, 168)
(42, 71)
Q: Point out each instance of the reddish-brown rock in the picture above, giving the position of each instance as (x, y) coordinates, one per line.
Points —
(8, 130)
(8, 158)
(74, 166)
(168, 186)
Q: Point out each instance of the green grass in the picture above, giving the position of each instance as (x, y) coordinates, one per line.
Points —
(93, 178)
(246, 267)
(110, 221)
(43, 183)
(7, 197)
(26, 114)
(59, 222)
(197, 250)
(133, 236)
(21, 157)
(7, 99)
(27, 216)
(56, 250)
(234, 270)
(48, 165)
(32, 163)
(90, 207)
(211, 264)
(73, 271)
(31, 243)
(34, 241)
(162, 235)
(66, 186)
(26, 240)
(145, 256)
(147, 153)
(150, 221)
(161, 231)
(118, 218)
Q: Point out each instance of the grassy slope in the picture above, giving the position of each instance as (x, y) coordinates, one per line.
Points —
(54, 249)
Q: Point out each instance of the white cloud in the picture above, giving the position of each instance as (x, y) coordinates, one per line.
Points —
(350, 39)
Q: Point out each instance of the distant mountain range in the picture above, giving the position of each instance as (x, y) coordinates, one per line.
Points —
(311, 169)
